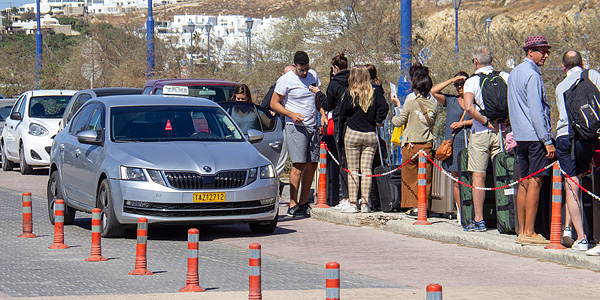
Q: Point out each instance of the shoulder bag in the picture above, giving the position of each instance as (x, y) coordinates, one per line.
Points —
(445, 149)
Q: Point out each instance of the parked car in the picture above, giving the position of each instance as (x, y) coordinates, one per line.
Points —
(6, 105)
(213, 89)
(28, 131)
(168, 159)
(84, 95)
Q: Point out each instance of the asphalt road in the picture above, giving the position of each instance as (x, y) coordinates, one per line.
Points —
(375, 264)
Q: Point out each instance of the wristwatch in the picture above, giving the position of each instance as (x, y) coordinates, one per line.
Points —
(487, 122)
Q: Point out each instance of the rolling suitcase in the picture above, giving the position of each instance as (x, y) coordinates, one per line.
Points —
(466, 194)
(506, 199)
(388, 186)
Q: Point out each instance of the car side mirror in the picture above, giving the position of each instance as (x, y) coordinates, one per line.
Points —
(89, 137)
(255, 136)
(16, 116)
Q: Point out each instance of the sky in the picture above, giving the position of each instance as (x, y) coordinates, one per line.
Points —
(5, 3)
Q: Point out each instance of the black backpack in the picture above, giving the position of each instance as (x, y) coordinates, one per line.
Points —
(583, 107)
(493, 93)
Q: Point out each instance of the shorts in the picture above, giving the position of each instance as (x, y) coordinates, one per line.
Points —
(482, 146)
(302, 142)
(584, 152)
(531, 157)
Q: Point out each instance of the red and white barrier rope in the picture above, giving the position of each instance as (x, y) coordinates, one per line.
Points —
(577, 184)
(374, 175)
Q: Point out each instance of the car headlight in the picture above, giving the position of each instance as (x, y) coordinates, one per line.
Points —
(135, 174)
(37, 129)
(156, 177)
(252, 175)
(267, 172)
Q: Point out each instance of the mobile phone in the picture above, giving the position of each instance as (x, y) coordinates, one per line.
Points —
(314, 84)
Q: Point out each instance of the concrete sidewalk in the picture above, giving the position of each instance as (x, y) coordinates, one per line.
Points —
(450, 231)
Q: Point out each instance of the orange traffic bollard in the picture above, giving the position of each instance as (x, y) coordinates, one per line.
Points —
(96, 254)
(27, 219)
(255, 279)
(322, 196)
(556, 218)
(192, 282)
(422, 192)
(140, 252)
(59, 225)
(434, 292)
(332, 281)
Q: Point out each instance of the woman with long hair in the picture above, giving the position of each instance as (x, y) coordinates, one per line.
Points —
(362, 110)
(245, 117)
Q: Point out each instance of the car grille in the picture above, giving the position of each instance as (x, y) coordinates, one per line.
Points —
(201, 209)
(195, 181)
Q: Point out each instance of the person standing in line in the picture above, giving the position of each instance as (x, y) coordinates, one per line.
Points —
(418, 114)
(335, 143)
(303, 114)
(574, 163)
(530, 115)
(457, 123)
(362, 110)
(485, 139)
(283, 156)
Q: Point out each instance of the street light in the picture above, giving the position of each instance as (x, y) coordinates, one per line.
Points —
(191, 28)
(38, 47)
(150, 41)
(456, 4)
(208, 28)
(488, 22)
(249, 23)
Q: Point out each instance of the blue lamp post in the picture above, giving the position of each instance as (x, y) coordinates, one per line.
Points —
(38, 47)
(150, 41)
(456, 4)
(249, 23)
(191, 28)
(208, 28)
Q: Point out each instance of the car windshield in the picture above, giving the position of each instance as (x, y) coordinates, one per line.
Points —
(171, 123)
(48, 107)
(215, 93)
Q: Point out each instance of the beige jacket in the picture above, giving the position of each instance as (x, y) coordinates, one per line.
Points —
(417, 130)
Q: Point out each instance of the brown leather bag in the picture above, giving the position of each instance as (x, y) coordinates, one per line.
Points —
(445, 149)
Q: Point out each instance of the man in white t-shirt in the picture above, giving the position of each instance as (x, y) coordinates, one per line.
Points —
(485, 139)
(293, 99)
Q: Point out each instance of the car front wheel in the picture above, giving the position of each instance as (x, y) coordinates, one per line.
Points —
(54, 192)
(25, 168)
(110, 225)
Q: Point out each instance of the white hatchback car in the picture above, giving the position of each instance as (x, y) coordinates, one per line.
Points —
(29, 130)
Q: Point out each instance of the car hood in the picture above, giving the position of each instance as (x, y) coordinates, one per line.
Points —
(188, 155)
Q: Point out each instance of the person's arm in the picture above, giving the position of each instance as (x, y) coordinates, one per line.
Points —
(456, 125)
(321, 111)
(403, 117)
(278, 108)
(436, 90)
(536, 113)
(469, 99)
(394, 99)
(382, 107)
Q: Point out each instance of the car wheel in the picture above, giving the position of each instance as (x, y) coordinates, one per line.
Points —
(7, 165)
(54, 192)
(264, 227)
(25, 168)
(110, 226)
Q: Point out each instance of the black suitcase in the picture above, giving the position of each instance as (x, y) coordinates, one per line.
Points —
(388, 186)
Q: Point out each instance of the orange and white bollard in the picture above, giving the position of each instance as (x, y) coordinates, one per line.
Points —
(27, 217)
(422, 192)
(434, 292)
(332, 281)
(96, 252)
(255, 279)
(192, 282)
(59, 225)
(322, 196)
(556, 218)
(140, 252)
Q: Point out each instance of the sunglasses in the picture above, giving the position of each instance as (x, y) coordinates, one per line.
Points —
(459, 84)
(542, 51)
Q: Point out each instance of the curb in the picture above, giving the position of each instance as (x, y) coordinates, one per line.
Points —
(448, 231)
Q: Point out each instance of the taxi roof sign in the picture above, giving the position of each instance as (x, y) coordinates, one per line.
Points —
(175, 90)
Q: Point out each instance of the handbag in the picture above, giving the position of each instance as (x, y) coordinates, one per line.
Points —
(397, 134)
(445, 149)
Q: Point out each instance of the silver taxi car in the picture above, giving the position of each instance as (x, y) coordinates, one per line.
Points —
(175, 160)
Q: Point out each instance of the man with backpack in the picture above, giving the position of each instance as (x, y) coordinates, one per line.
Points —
(530, 118)
(574, 149)
(485, 102)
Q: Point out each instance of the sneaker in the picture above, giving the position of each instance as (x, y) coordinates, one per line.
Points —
(297, 212)
(581, 245)
(567, 238)
(364, 207)
(537, 239)
(594, 251)
(306, 208)
(342, 204)
(476, 226)
(349, 209)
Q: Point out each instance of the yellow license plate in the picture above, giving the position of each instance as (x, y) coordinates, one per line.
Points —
(209, 197)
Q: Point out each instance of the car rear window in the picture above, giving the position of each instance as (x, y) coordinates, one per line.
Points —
(215, 93)
(171, 123)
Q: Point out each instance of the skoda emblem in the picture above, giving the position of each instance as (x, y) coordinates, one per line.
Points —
(207, 169)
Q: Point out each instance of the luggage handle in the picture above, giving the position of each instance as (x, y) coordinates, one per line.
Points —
(379, 145)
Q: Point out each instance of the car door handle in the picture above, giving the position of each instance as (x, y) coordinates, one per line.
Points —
(77, 152)
(275, 145)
